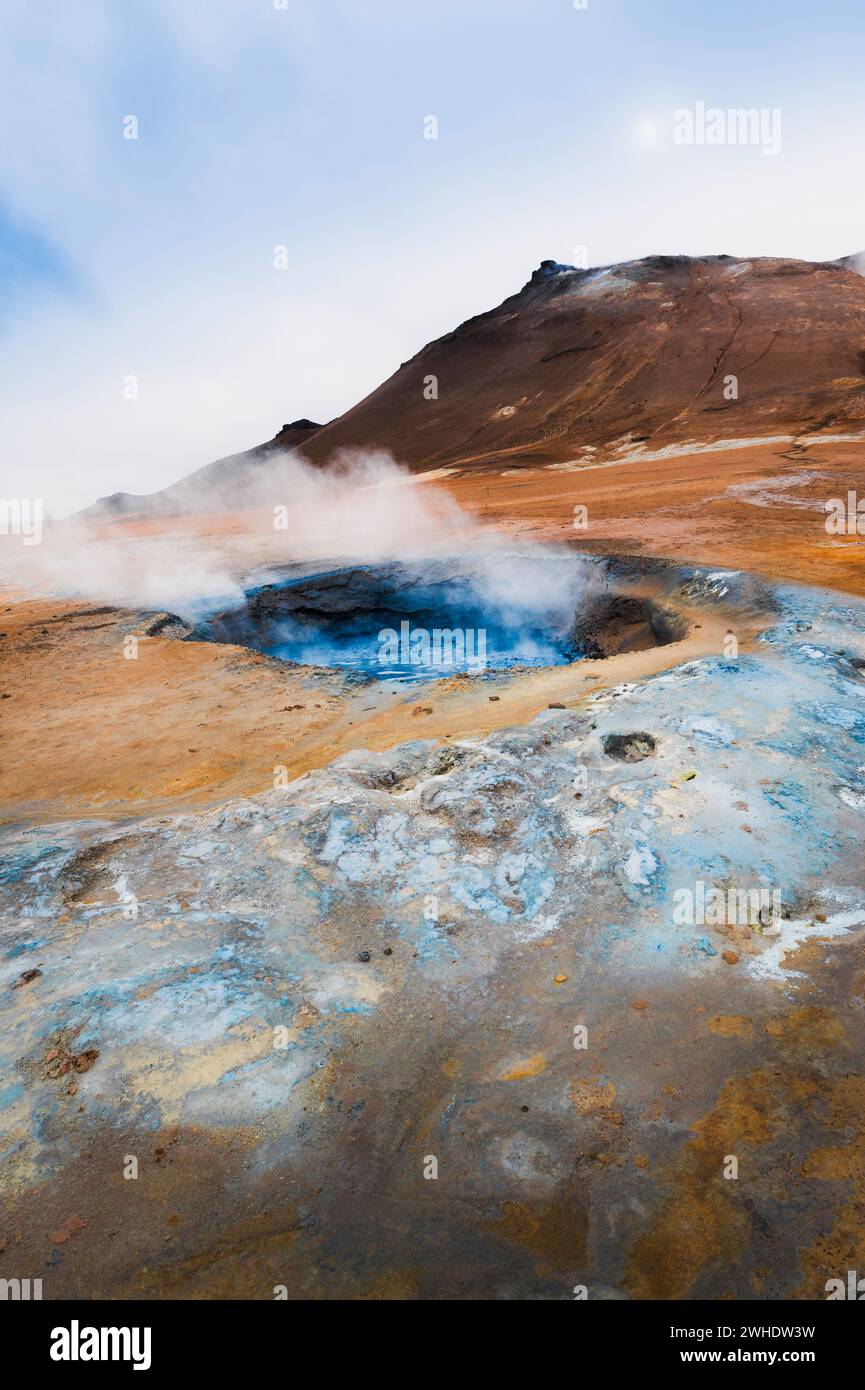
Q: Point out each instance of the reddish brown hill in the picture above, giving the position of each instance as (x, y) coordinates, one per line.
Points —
(598, 359)
(642, 349)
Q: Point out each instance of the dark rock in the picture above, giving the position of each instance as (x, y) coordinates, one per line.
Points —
(26, 977)
(628, 748)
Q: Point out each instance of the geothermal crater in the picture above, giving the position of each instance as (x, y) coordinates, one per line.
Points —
(440, 617)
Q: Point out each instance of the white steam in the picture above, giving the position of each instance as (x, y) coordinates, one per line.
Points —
(255, 518)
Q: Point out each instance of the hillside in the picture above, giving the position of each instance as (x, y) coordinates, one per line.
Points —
(664, 350)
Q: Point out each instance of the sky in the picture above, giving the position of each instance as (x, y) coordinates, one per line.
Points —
(282, 233)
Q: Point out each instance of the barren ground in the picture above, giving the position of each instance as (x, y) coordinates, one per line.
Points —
(152, 1035)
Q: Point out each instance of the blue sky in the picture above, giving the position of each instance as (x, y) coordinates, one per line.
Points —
(304, 127)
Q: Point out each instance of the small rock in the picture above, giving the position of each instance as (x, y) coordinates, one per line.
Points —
(73, 1225)
(84, 1060)
(363, 956)
(388, 951)
(28, 975)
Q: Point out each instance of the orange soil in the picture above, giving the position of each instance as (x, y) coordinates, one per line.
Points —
(675, 508)
(188, 723)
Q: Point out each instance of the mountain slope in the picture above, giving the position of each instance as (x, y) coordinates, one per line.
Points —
(642, 349)
(645, 351)
(225, 484)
